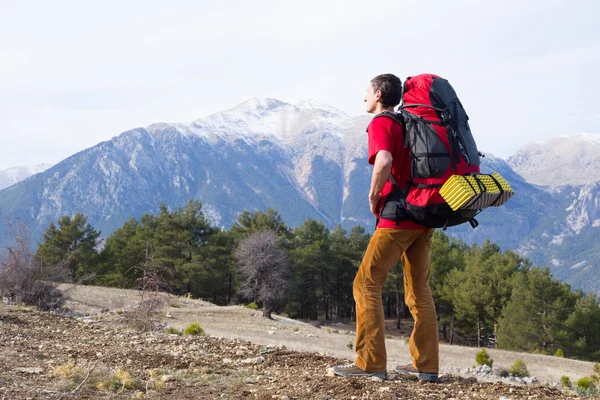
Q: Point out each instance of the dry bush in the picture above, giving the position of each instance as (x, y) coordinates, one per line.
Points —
(25, 279)
(151, 284)
(264, 268)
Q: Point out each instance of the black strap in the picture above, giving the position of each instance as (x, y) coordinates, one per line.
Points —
(482, 189)
(499, 187)
(393, 115)
(419, 118)
(431, 154)
(424, 186)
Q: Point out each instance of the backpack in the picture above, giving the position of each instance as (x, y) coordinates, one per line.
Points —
(436, 129)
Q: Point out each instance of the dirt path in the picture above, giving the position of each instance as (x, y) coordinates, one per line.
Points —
(46, 356)
(233, 322)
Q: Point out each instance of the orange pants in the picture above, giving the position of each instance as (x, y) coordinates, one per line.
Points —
(386, 247)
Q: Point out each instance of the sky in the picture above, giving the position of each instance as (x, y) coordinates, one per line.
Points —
(76, 73)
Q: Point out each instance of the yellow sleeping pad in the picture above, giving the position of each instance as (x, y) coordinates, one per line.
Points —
(476, 192)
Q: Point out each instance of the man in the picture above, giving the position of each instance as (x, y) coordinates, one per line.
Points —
(392, 241)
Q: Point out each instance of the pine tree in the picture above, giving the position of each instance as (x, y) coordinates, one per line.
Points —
(479, 292)
(72, 244)
(534, 318)
(584, 328)
(311, 269)
(447, 254)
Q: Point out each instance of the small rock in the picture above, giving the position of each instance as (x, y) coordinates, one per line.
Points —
(239, 353)
(31, 370)
(330, 372)
(376, 379)
(271, 332)
(311, 335)
(227, 361)
(169, 315)
(167, 378)
(384, 389)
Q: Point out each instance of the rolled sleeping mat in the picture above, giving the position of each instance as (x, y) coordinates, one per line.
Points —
(476, 191)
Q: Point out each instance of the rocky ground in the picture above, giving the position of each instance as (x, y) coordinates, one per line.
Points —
(44, 355)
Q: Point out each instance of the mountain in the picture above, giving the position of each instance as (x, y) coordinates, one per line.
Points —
(300, 159)
(569, 160)
(306, 160)
(10, 176)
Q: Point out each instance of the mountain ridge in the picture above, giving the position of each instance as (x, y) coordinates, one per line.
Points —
(305, 163)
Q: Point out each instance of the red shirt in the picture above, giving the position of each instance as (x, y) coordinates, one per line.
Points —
(386, 134)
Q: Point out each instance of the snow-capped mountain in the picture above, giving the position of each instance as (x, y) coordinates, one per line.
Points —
(570, 160)
(300, 160)
(305, 160)
(10, 176)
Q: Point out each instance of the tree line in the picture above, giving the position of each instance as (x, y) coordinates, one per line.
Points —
(484, 296)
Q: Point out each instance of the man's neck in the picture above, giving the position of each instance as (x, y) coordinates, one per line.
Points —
(380, 108)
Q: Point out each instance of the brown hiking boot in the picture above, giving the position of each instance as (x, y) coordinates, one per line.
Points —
(408, 369)
(353, 370)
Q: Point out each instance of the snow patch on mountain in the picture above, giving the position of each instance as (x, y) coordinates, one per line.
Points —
(12, 175)
(579, 264)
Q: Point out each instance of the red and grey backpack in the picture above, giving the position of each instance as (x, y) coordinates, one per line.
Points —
(436, 130)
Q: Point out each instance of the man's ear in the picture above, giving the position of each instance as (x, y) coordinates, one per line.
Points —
(378, 95)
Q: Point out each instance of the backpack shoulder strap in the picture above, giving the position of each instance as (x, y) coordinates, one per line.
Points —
(396, 116)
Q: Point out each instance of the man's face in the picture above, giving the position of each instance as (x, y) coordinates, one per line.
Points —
(372, 98)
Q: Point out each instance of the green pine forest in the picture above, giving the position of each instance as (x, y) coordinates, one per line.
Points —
(484, 296)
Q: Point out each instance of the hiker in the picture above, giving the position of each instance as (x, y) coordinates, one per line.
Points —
(392, 240)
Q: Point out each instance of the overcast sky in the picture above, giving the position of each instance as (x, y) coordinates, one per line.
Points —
(75, 73)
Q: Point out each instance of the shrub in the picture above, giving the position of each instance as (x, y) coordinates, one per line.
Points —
(174, 305)
(565, 381)
(194, 329)
(173, 331)
(350, 345)
(252, 306)
(519, 369)
(122, 380)
(150, 284)
(584, 383)
(295, 329)
(483, 358)
(597, 368)
(559, 353)
(24, 278)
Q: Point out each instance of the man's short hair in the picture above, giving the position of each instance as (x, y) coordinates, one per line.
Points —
(391, 89)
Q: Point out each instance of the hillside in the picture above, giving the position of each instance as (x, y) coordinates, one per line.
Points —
(45, 355)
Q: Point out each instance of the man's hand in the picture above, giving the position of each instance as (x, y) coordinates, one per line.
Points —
(382, 168)
(373, 201)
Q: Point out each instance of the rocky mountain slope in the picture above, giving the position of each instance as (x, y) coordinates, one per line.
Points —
(570, 160)
(306, 160)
